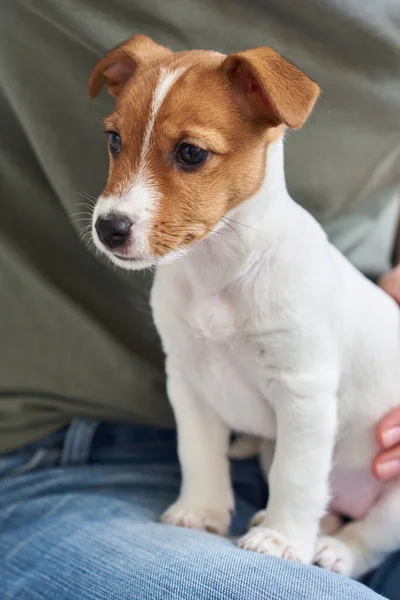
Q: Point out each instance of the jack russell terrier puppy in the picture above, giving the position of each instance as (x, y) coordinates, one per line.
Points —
(267, 329)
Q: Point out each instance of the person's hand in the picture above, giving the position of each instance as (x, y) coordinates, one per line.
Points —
(391, 283)
(387, 464)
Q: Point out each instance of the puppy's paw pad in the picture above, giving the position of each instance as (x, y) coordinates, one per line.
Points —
(333, 554)
(268, 541)
(213, 520)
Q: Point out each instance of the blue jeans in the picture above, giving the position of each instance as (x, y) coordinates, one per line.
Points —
(78, 521)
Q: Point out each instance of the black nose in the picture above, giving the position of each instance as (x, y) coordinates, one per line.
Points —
(113, 231)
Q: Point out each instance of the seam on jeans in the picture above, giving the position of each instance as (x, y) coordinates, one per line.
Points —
(78, 442)
(33, 463)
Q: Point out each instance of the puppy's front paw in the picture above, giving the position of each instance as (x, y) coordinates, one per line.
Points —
(184, 514)
(334, 555)
(267, 541)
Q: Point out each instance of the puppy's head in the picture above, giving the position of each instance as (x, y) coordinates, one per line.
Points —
(187, 141)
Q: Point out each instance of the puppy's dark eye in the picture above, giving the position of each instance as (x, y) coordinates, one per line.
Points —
(190, 155)
(115, 143)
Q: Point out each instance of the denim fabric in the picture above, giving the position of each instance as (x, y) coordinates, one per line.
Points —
(78, 521)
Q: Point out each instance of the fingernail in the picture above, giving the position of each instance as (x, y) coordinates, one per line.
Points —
(391, 437)
(389, 469)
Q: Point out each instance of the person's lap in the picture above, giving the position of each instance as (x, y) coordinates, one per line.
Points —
(79, 521)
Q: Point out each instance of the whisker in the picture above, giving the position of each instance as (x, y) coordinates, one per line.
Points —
(86, 205)
(86, 231)
(88, 242)
(179, 230)
(79, 220)
(238, 223)
(82, 212)
(85, 195)
(237, 234)
(90, 245)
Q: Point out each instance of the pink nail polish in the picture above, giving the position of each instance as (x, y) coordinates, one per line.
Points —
(389, 469)
(391, 437)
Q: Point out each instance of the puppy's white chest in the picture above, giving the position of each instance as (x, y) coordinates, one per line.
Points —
(212, 318)
(225, 369)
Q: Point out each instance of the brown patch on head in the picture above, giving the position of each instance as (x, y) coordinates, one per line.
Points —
(201, 111)
(270, 88)
(232, 107)
(118, 65)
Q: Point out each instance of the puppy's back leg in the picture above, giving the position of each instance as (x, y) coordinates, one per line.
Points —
(245, 446)
(361, 545)
(330, 524)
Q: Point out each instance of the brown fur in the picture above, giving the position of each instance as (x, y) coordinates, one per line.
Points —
(118, 65)
(233, 106)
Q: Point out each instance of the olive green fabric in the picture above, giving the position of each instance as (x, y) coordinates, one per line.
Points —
(76, 337)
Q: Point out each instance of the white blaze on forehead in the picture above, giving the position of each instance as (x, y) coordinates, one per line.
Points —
(140, 199)
(164, 85)
(140, 202)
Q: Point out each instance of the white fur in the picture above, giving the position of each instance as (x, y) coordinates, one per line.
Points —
(270, 331)
(165, 83)
(139, 201)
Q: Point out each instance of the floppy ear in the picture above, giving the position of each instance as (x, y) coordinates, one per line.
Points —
(116, 67)
(269, 89)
